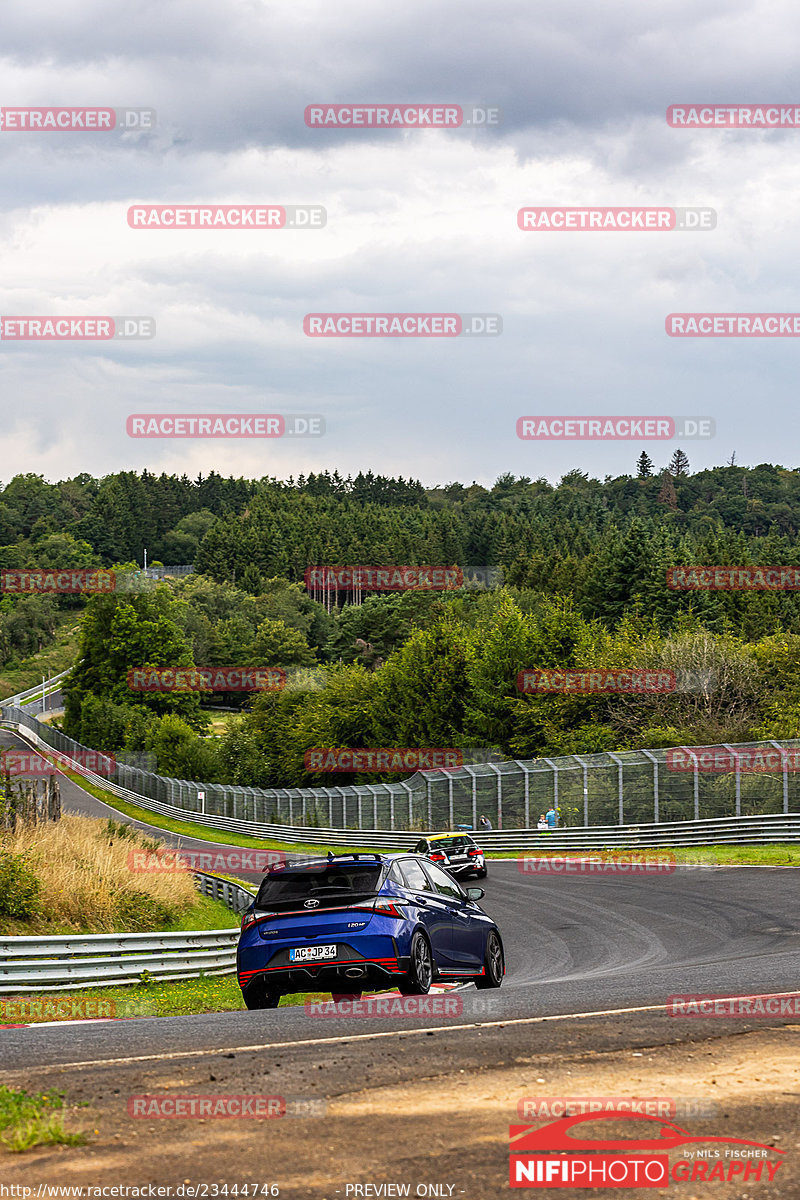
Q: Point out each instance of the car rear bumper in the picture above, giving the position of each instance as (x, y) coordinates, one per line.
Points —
(376, 965)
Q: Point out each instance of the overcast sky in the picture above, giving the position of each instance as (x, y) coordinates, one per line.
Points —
(417, 221)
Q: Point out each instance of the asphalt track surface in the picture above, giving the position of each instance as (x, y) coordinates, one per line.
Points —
(575, 945)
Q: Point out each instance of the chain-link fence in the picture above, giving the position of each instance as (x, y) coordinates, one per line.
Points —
(624, 788)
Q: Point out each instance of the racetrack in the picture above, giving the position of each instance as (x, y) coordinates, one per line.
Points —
(425, 1102)
(574, 944)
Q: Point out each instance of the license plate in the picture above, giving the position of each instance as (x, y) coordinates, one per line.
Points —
(312, 953)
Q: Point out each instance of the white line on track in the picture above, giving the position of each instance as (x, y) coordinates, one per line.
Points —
(367, 1037)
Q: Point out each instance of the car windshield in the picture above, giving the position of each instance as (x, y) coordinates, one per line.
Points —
(329, 883)
(453, 843)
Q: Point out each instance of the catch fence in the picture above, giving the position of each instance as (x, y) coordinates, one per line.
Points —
(623, 788)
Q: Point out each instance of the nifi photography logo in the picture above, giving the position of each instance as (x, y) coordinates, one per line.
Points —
(582, 1151)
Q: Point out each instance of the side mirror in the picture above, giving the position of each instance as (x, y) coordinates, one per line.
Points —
(475, 893)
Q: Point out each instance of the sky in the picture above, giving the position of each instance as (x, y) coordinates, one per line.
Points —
(417, 221)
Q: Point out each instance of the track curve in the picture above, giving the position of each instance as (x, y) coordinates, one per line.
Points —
(574, 944)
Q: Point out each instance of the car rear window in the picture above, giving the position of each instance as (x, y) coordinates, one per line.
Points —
(453, 843)
(330, 883)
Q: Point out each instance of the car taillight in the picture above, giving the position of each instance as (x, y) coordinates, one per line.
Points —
(474, 852)
(255, 918)
(438, 858)
(381, 905)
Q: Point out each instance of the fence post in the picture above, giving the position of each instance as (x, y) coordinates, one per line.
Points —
(618, 761)
(696, 762)
(526, 773)
(450, 798)
(430, 802)
(785, 761)
(654, 761)
(725, 746)
(585, 766)
(554, 769)
(499, 794)
(410, 792)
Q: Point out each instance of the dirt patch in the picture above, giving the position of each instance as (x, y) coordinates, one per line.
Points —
(402, 1117)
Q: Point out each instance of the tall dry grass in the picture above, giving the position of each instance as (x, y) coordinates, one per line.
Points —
(84, 868)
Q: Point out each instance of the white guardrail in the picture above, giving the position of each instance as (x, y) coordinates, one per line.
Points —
(45, 964)
(48, 686)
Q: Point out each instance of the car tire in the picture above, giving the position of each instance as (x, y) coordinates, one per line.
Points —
(421, 968)
(259, 995)
(493, 963)
(481, 874)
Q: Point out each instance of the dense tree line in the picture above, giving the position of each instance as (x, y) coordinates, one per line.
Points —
(584, 564)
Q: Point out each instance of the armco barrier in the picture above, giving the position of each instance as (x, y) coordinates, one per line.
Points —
(236, 897)
(48, 686)
(47, 964)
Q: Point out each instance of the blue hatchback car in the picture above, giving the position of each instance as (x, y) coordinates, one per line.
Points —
(362, 922)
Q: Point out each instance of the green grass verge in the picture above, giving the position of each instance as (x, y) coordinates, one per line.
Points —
(34, 1119)
(205, 913)
(170, 998)
(203, 832)
(59, 655)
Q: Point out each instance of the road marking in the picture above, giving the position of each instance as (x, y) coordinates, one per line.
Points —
(366, 1037)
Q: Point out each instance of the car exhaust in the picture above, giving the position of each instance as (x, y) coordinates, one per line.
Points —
(355, 972)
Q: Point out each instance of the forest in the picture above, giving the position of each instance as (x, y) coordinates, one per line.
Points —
(578, 573)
